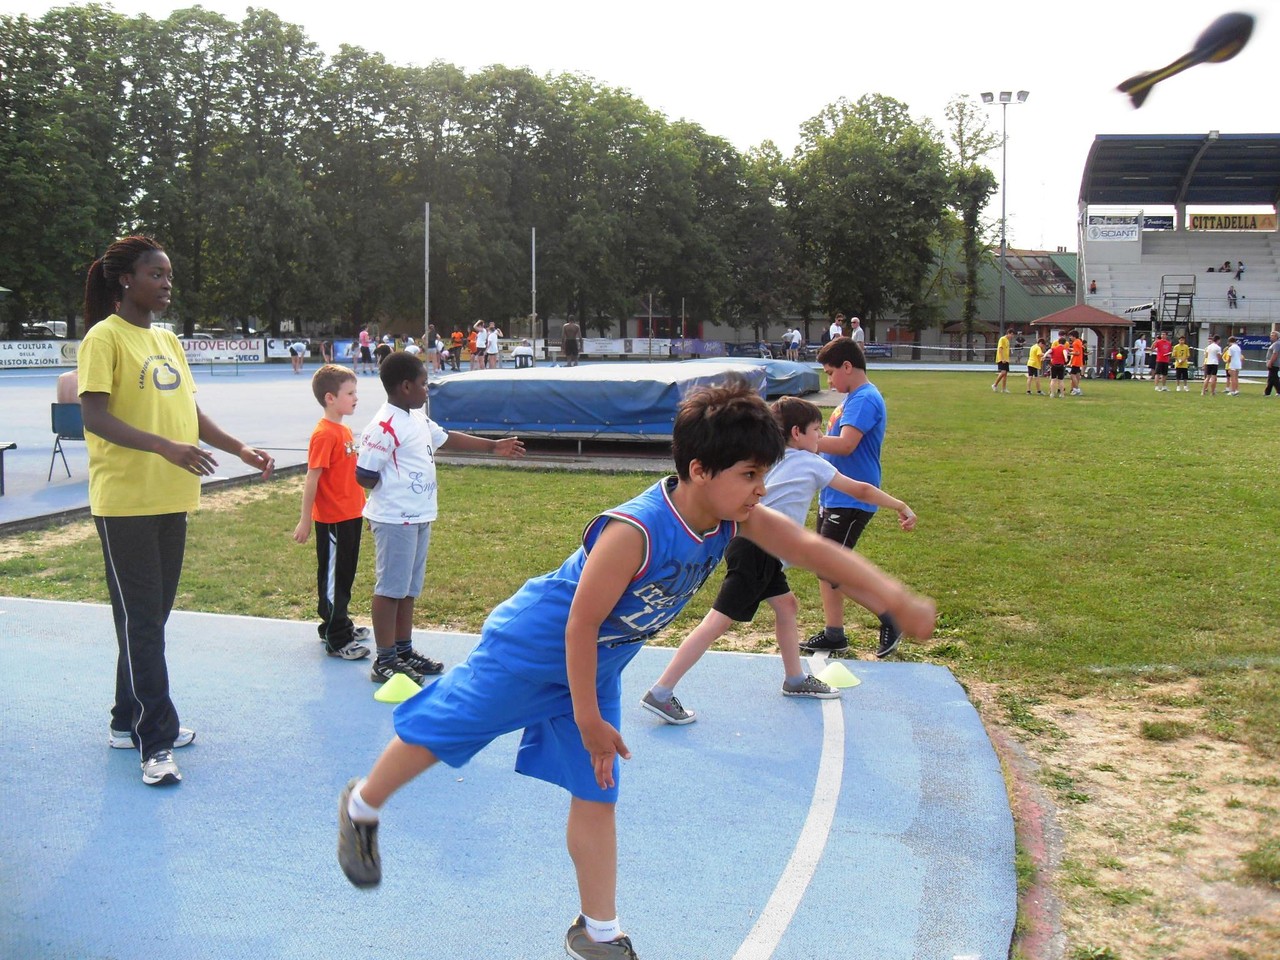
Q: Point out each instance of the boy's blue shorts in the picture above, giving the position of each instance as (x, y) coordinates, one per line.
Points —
(481, 699)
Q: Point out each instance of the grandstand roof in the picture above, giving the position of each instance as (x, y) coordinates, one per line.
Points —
(1172, 169)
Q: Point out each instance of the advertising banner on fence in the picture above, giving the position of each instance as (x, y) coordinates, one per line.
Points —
(38, 353)
(224, 351)
(1232, 221)
(1107, 228)
(278, 349)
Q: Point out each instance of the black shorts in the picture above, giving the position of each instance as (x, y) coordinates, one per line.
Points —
(751, 577)
(1033, 371)
(570, 349)
(1057, 371)
(1181, 373)
(1002, 366)
(365, 355)
(1162, 368)
(1210, 369)
(843, 525)
(1077, 371)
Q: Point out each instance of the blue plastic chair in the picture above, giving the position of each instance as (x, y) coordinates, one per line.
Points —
(68, 424)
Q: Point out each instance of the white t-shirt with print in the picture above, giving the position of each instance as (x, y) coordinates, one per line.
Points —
(399, 445)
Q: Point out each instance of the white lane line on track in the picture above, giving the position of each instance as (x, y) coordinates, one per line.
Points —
(774, 919)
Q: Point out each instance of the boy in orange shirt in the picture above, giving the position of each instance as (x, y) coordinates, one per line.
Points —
(1077, 362)
(335, 501)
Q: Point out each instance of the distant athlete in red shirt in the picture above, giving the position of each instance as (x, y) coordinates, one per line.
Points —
(1164, 351)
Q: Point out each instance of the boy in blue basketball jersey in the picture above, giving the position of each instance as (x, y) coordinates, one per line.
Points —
(550, 658)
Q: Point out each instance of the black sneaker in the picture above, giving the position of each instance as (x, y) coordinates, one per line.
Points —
(382, 672)
(890, 637)
(423, 665)
(357, 845)
(819, 641)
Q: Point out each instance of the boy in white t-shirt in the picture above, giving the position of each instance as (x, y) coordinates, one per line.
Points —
(1212, 360)
(753, 576)
(397, 464)
(1235, 363)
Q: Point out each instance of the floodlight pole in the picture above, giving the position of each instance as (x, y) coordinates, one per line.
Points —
(1006, 97)
(426, 270)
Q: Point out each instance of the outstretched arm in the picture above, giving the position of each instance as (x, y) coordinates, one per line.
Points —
(870, 493)
(857, 577)
(215, 436)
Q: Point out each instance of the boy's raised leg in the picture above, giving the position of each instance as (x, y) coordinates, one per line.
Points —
(360, 802)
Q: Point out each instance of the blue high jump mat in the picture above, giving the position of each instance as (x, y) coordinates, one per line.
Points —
(874, 826)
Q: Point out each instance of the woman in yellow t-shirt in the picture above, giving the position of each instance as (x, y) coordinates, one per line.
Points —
(144, 432)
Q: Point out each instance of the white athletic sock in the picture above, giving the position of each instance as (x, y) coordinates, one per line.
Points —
(662, 694)
(358, 810)
(602, 931)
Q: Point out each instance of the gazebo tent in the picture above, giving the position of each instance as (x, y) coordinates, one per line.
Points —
(1112, 332)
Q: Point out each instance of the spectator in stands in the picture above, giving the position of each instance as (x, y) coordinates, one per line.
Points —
(1226, 267)
(1239, 269)
(1093, 286)
(1231, 297)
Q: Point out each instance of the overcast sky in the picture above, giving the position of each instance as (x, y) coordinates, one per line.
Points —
(752, 72)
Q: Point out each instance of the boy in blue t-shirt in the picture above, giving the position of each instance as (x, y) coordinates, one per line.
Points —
(852, 445)
(550, 658)
(752, 576)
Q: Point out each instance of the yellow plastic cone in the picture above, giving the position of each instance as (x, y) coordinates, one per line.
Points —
(396, 690)
(838, 675)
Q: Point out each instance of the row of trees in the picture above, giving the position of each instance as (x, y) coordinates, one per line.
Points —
(289, 185)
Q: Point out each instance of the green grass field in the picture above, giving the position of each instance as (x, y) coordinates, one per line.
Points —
(1072, 544)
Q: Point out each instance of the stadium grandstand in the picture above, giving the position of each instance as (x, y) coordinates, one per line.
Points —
(1166, 222)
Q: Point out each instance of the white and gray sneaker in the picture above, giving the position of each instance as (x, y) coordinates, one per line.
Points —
(670, 711)
(123, 740)
(160, 769)
(810, 686)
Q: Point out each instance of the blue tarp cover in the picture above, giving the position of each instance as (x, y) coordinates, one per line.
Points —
(622, 401)
(786, 377)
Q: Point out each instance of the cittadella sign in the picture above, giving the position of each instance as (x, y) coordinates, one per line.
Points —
(1232, 221)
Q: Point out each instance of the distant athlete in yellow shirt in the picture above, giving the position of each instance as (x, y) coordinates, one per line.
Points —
(1035, 360)
(1181, 366)
(1002, 364)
